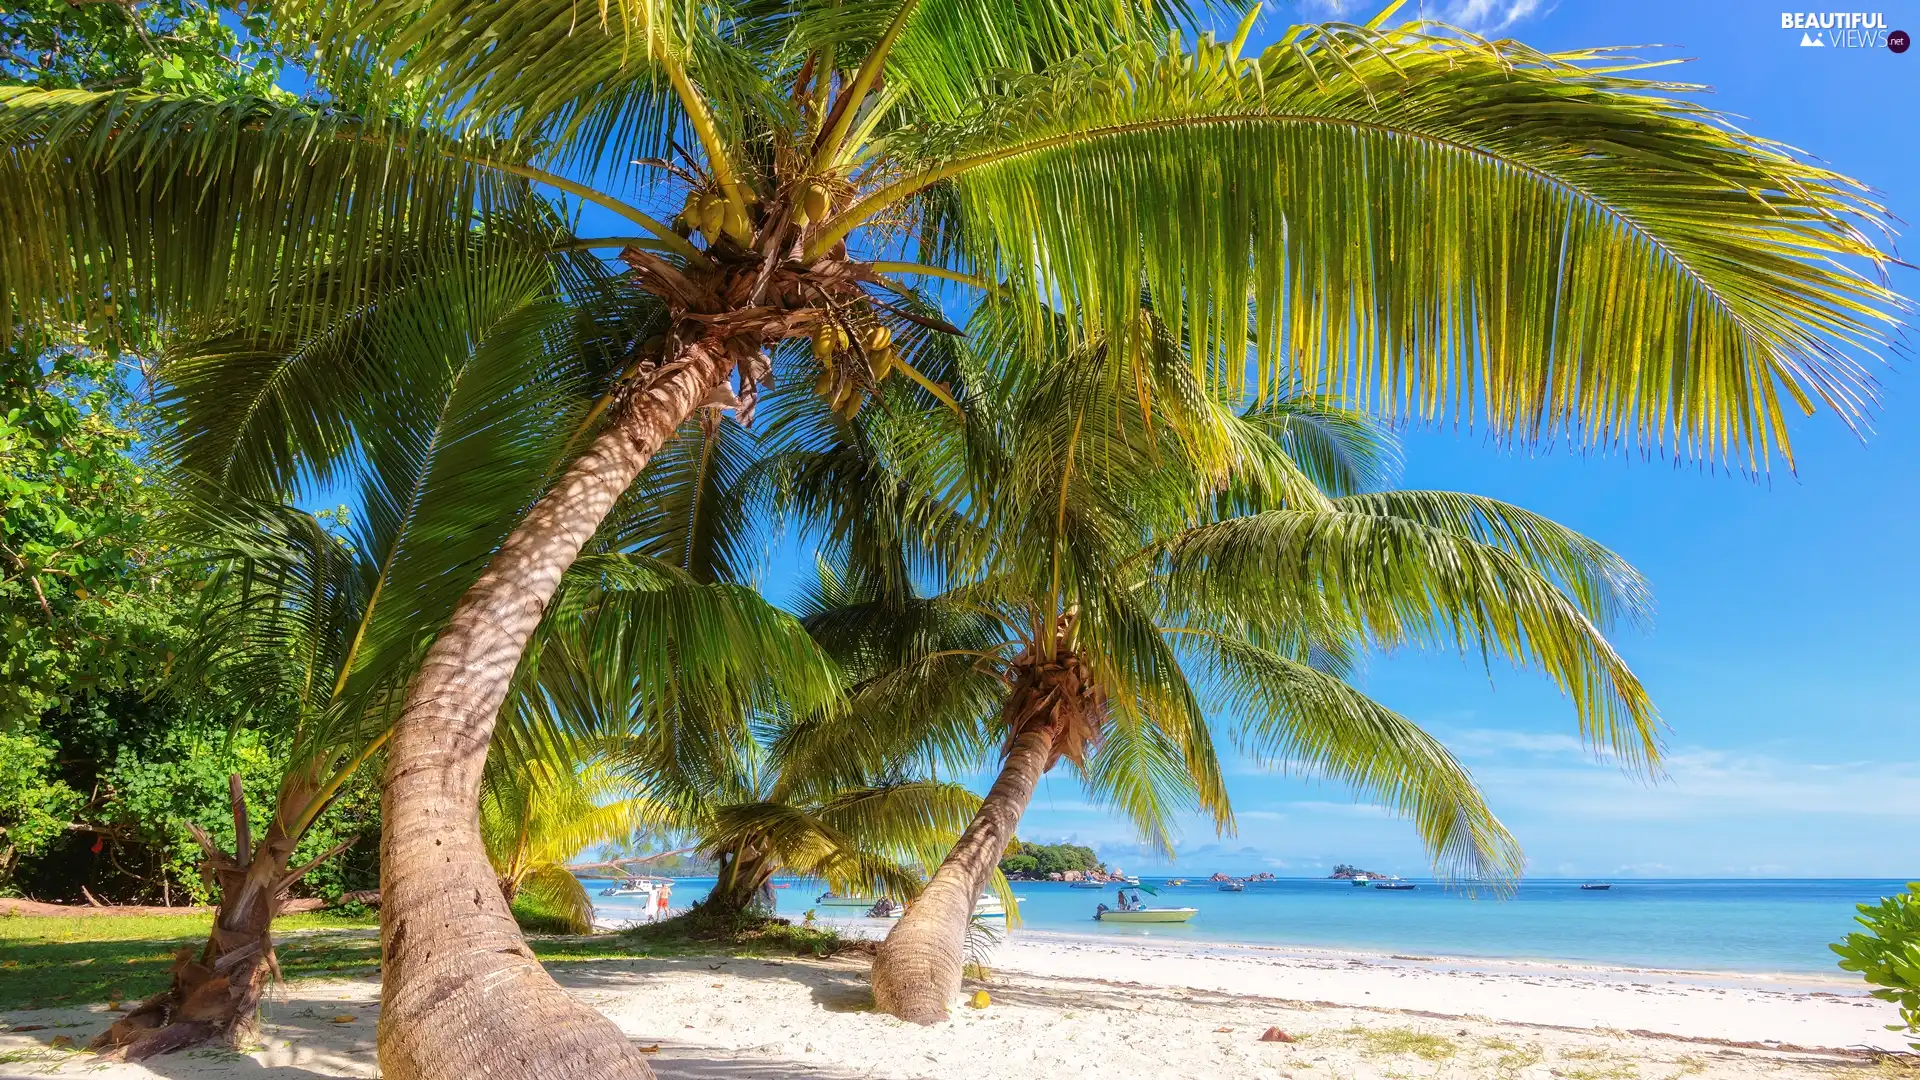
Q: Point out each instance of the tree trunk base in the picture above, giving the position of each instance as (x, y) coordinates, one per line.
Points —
(216, 996)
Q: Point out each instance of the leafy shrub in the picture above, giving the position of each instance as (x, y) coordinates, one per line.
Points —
(1888, 954)
(34, 805)
(750, 933)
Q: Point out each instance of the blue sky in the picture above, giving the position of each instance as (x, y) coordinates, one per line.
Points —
(1783, 655)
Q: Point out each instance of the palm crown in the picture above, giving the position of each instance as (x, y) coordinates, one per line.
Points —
(1424, 218)
(1113, 559)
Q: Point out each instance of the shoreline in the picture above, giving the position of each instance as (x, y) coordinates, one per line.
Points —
(1836, 981)
(1065, 1005)
(1752, 1008)
(1740, 1009)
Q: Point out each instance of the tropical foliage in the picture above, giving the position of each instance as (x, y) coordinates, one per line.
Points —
(1121, 557)
(108, 763)
(536, 816)
(178, 46)
(1040, 860)
(774, 796)
(1887, 955)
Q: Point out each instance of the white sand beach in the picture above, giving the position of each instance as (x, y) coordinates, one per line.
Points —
(1083, 1007)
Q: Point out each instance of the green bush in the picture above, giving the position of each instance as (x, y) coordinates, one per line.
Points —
(536, 916)
(1888, 954)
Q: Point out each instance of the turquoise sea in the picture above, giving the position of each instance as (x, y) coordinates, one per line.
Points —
(1745, 925)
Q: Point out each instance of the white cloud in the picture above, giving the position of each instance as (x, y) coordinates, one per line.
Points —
(1702, 783)
(1354, 809)
(1478, 742)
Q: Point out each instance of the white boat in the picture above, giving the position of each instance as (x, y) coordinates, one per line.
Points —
(1132, 880)
(1146, 914)
(655, 896)
(1233, 886)
(989, 907)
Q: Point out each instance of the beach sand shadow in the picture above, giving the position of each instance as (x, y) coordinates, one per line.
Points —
(303, 1041)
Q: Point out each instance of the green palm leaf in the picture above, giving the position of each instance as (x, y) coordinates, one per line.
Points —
(1291, 716)
(1425, 222)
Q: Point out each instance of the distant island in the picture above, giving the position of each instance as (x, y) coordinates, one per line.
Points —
(1343, 872)
(1054, 862)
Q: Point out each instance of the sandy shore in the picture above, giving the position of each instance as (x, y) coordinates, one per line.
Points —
(1080, 1007)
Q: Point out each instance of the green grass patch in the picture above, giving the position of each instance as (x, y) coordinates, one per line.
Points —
(1514, 1059)
(1392, 1041)
(1622, 1071)
(67, 961)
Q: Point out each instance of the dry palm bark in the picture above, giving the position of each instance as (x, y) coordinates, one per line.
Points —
(1052, 712)
(216, 995)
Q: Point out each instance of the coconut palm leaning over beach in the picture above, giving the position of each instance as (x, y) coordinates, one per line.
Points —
(1437, 222)
(1121, 558)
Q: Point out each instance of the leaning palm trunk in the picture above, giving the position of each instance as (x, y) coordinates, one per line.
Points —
(742, 883)
(461, 993)
(217, 995)
(916, 974)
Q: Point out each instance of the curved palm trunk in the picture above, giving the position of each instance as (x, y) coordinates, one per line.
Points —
(916, 974)
(740, 883)
(217, 995)
(461, 994)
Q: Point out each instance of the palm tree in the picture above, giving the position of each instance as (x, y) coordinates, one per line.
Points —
(1119, 554)
(537, 815)
(297, 590)
(774, 800)
(1425, 219)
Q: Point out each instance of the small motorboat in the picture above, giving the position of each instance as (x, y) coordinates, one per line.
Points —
(1395, 886)
(829, 899)
(632, 886)
(655, 896)
(1131, 880)
(1362, 881)
(1146, 914)
(989, 907)
(1176, 881)
(1233, 886)
(1596, 886)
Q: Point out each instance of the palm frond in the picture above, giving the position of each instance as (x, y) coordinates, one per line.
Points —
(1427, 223)
(1290, 716)
(1402, 581)
(185, 211)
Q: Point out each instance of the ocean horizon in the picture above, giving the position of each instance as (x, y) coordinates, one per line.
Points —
(1746, 925)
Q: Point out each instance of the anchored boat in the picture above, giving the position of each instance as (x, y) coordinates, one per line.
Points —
(1146, 914)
